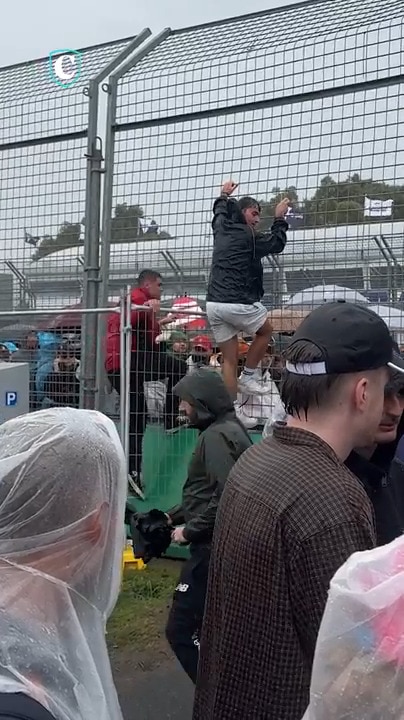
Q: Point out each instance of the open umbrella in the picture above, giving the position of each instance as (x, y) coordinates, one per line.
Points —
(320, 294)
(16, 332)
(186, 321)
(393, 317)
(66, 321)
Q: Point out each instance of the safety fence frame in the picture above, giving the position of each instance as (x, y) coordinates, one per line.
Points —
(111, 89)
(187, 111)
(126, 329)
(92, 349)
(83, 314)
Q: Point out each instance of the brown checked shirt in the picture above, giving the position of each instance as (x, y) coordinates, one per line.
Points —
(290, 515)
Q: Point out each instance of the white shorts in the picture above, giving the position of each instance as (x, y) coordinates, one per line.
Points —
(228, 319)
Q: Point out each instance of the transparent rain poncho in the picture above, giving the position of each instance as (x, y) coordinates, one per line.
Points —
(358, 671)
(62, 500)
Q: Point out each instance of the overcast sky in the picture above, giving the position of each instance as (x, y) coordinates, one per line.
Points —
(30, 30)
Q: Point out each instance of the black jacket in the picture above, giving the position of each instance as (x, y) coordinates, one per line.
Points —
(236, 274)
(383, 479)
(221, 442)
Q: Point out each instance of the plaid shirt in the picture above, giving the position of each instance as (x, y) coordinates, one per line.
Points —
(290, 515)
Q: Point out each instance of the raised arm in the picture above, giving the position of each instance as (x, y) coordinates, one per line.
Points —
(221, 210)
(274, 241)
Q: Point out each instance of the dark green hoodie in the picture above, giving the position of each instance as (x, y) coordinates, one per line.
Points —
(221, 441)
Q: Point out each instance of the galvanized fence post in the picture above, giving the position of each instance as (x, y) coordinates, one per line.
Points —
(111, 88)
(91, 356)
(91, 254)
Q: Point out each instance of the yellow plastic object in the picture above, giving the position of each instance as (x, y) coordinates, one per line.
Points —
(128, 559)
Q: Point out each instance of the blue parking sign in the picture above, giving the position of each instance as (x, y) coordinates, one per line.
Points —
(11, 398)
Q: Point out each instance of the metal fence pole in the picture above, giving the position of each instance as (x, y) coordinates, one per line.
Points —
(122, 365)
(112, 89)
(106, 229)
(128, 358)
(91, 272)
(91, 254)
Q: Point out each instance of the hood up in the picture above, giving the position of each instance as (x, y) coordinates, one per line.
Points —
(205, 390)
(62, 504)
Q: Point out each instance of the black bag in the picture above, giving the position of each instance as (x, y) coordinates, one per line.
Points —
(151, 534)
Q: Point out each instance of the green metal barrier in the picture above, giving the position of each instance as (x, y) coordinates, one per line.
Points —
(165, 464)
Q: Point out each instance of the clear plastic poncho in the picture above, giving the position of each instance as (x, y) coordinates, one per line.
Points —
(358, 671)
(62, 500)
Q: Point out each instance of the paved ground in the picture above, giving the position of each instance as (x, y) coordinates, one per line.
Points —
(161, 692)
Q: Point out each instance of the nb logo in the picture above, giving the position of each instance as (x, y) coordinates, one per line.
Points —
(182, 587)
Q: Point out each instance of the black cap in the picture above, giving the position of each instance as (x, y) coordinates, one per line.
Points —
(351, 338)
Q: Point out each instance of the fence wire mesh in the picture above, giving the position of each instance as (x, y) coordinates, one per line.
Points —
(43, 130)
(156, 430)
(50, 342)
(303, 100)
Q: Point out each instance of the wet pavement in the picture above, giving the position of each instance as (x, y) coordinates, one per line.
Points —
(162, 693)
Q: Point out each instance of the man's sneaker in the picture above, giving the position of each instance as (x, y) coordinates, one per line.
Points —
(251, 385)
(248, 422)
(135, 484)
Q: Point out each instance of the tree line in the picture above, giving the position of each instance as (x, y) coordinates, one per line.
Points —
(128, 225)
(337, 202)
(333, 203)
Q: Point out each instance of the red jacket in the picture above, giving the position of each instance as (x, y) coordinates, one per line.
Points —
(145, 329)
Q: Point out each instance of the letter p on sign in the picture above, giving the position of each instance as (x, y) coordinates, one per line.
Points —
(11, 399)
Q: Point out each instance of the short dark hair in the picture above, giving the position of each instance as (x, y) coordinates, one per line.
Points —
(395, 385)
(146, 275)
(248, 202)
(300, 393)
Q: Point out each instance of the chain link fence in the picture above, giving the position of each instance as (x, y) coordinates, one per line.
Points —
(50, 161)
(43, 146)
(303, 100)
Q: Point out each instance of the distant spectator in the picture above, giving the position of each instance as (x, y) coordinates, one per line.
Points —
(26, 351)
(66, 360)
(177, 345)
(48, 344)
(5, 353)
(62, 386)
(201, 351)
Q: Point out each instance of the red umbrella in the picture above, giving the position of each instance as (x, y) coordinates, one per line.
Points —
(187, 321)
